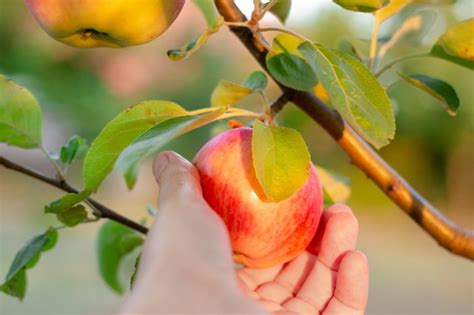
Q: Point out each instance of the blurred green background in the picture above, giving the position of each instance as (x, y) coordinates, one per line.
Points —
(80, 90)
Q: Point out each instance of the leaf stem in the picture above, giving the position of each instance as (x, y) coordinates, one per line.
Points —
(105, 212)
(373, 45)
(394, 62)
(282, 30)
(59, 173)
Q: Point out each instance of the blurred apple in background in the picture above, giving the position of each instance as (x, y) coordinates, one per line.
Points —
(105, 23)
(263, 232)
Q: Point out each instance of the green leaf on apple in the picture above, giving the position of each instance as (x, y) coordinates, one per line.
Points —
(457, 44)
(281, 160)
(20, 116)
(337, 188)
(74, 149)
(228, 93)
(439, 90)
(26, 258)
(354, 92)
(114, 243)
(362, 5)
(121, 132)
(281, 9)
(288, 66)
(150, 142)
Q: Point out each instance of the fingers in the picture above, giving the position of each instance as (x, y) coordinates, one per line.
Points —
(186, 228)
(177, 178)
(352, 286)
(338, 235)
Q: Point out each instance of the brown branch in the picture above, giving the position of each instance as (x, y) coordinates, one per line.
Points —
(454, 238)
(104, 211)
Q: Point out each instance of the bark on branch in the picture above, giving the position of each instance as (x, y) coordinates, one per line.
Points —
(104, 211)
(454, 238)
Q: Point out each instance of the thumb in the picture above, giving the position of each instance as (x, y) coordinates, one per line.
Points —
(186, 228)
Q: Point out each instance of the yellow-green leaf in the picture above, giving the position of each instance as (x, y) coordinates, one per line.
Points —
(457, 44)
(153, 140)
(361, 5)
(390, 9)
(20, 115)
(354, 92)
(119, 133)
(281, 160)
(228, 93)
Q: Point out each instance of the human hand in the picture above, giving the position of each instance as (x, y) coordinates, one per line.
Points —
(186, 265)
(330, 277)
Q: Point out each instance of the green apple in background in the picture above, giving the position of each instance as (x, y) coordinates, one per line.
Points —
(105, 23)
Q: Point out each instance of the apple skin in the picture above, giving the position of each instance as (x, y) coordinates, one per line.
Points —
(263, 233)
(105, 23)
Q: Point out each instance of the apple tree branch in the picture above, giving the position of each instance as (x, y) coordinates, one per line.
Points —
(457, 239)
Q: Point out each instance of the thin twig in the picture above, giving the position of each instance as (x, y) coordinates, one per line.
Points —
(278, 104)
(373, 45)
(395, 61)
(63, 185)
(454, 238)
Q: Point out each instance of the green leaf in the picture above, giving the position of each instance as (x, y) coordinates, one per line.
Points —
(281, 160)
(73, 216)
(74, 149)
(178, 54)
(208, 9)
(286, 64)
(16, 286)
(20, 116)
(256, 81)
(440, 90)
(66, 202)
(27, 257)
(362, 5)
(114, 242)
(337, 188)
(281, 9)
(119, 133)
(457, 44)
(151, 141)
(354, 92)
(346, 46)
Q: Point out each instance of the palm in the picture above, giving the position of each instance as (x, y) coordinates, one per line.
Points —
(329, 278)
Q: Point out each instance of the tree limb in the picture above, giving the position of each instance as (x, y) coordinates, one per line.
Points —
(104, 211)
(454, 238)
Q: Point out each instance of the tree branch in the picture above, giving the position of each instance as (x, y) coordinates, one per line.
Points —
(454, 238)
(104, 211)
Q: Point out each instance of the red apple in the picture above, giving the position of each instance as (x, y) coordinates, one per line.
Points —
(263, 232)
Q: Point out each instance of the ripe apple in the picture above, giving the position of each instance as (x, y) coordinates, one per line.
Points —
(263, 233)
(105, 23)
